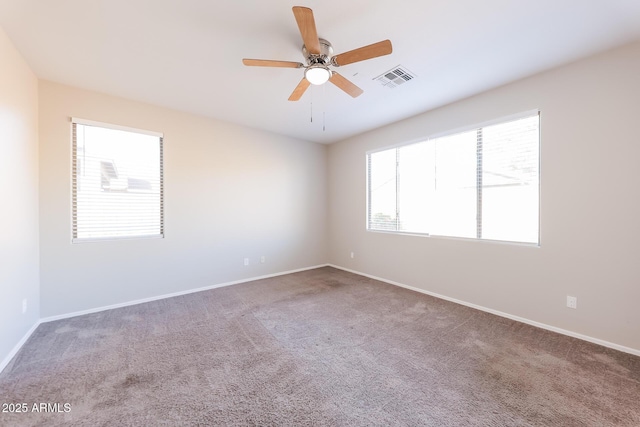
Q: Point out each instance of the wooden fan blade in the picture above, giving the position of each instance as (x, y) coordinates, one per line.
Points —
(307, 27)
(345, 85)
(270, 63)
(299, 90)
(366, 52)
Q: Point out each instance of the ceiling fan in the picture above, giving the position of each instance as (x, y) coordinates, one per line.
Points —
(319, 56)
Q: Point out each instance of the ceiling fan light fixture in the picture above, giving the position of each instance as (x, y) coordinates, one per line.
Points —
(317, 74)
(319, 57)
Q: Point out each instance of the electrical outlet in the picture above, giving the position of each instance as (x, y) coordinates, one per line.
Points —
(262, 259)
(572, 302)
(24, 306)
(246, 262)
(352, 255)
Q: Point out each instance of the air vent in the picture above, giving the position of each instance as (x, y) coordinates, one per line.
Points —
(395, 77)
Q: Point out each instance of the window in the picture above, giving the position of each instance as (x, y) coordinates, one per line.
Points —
(482, 183)
(117, 182)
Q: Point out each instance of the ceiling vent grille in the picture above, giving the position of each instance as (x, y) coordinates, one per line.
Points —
(395, 77)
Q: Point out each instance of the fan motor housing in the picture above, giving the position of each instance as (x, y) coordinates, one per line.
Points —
(326, 52)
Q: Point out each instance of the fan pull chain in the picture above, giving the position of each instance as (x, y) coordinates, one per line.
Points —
(324, 104)
(311, 105)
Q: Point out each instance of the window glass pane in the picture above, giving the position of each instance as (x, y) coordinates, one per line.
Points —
(416, 171)
(117, 183)
(455, 203)
(382, 190)
(482, 184)
(510, 181)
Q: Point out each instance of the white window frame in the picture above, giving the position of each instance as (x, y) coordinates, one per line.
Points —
(504, 119)
(79, 121)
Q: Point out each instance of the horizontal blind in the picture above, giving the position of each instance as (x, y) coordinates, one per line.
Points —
(117, 183)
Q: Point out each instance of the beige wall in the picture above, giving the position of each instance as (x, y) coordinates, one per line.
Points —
(230, 193)
(590, 205)
(18, 198)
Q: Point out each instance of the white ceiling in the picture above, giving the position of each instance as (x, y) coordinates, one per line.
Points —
(187, 54)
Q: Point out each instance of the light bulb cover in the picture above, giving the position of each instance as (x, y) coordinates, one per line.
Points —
(317, 74)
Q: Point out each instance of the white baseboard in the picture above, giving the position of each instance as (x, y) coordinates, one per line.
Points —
(18, 346)
(174, 294)
(603, 343)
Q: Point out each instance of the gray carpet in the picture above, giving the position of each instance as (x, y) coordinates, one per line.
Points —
(321, 347)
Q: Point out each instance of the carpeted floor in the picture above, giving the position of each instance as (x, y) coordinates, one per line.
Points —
(321, 347)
